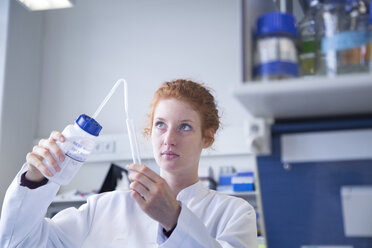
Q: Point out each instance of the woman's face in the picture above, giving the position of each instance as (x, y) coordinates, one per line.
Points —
(176, 136)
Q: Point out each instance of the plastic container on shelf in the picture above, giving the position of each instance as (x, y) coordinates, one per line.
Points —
(275, 49)
(225, 175)
(79, 143)
(307, 39)
(343, 32)
(357, 59)
(243, 181)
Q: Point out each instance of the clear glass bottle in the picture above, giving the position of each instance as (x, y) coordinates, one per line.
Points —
(275, 53)
(307, 39)
(357, 59)
(342, 31)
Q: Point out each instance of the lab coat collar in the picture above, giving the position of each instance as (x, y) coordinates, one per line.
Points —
(197, 190)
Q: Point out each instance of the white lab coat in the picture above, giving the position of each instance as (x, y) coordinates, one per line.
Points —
(207, 219)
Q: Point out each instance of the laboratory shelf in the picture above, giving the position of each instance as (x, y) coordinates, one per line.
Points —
(308, 97)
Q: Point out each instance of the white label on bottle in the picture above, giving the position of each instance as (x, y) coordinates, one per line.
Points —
(77, 149)
(71, 162)
(240, 180)
(69, 166)
(275, 49)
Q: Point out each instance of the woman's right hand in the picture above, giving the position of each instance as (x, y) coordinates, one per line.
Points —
(44, 150)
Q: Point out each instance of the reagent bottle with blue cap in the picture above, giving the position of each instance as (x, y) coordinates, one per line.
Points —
(79, 143)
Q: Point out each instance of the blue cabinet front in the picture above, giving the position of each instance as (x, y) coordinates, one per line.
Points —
(301, 201)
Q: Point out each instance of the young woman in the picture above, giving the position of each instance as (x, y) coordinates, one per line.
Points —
(172, 209)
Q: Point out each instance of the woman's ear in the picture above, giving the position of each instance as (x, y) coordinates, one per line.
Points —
(208, 137)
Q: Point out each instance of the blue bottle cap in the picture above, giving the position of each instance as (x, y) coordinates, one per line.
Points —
(276, 23)
(276, 68)
(89, 124)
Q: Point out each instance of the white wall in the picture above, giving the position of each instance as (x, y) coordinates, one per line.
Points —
(20, 101)
(85, 49)
(4, 16)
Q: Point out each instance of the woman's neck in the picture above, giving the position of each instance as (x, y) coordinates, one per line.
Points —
(179, 181)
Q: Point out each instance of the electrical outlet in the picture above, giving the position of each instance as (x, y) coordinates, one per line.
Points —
(108, 147)
(96, 149)
(104, 147)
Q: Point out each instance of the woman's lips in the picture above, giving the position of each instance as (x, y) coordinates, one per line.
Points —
(169, 155)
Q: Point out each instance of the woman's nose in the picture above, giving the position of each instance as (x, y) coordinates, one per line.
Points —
(170, 138)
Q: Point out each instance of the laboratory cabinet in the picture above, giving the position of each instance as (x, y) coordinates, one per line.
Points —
(313, 141)
(315, 178)
(303, 180)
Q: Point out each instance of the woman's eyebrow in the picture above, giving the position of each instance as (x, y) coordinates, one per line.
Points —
(186, 121)
(159, 119)
(162, 119)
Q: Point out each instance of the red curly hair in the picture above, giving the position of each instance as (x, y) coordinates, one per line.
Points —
(198, 96)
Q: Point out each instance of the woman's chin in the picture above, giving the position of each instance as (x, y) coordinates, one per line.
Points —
(169, 166)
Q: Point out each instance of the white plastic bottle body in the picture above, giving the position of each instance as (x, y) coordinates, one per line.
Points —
(77, 147)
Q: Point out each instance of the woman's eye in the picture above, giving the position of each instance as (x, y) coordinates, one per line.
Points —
(185, 127)
(159, 125)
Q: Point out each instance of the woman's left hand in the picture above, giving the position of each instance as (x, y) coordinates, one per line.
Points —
(153, 195)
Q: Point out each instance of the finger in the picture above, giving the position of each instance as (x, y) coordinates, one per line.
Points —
(44, 153)
(138, 198)
(41, 142)
(140, 189)
(38, 157)
(143, 179)
(57, 136)
(34, 160)
(144, 170)
(52, 146)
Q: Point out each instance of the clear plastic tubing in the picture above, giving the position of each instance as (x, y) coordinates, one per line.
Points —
(109, 95)
(131, 129)
(80, 142)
